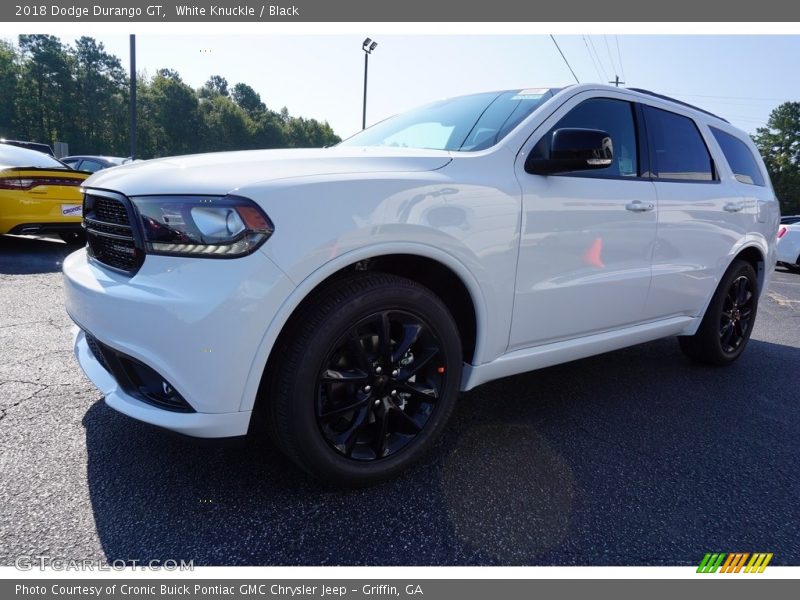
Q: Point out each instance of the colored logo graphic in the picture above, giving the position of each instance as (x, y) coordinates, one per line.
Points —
(734, 562)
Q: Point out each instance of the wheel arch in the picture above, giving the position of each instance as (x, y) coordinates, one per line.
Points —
(431, 267)
(753, 255)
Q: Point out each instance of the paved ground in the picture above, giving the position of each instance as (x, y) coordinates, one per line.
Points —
(634, 457)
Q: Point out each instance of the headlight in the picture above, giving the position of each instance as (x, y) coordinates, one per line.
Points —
(201, 225)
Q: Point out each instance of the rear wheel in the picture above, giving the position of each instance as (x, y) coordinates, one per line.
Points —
(728, 322)
(366, 378)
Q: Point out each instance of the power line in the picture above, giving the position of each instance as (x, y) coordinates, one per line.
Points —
(602, 67)
(597, 70)
(565, 59)
(619, 55)
(610, 58)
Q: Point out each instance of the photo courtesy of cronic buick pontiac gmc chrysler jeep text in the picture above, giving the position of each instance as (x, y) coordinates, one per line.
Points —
(344, 296)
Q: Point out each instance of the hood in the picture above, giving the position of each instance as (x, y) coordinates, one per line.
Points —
(223, 172)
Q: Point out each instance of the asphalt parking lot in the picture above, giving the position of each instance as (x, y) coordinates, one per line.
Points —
(637, 457)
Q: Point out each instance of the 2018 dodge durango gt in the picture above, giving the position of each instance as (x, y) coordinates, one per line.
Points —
(346, 295)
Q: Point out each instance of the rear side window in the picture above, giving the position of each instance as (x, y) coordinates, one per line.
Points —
(739, 157)
(678, 150)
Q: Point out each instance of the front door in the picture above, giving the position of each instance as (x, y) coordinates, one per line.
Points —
(587, 237)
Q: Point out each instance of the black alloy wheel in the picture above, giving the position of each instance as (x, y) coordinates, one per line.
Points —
(364, 378)
(379, 385)
(737, 315)
(729, 318)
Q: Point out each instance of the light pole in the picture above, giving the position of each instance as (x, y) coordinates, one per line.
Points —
(368, 46)
(133, 97)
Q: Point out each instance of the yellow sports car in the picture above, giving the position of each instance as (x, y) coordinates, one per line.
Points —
(39, 195)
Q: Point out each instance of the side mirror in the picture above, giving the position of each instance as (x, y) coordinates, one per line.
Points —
(574, 150)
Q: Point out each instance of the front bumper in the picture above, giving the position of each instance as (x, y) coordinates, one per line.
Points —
(197, 322)
(203, 425)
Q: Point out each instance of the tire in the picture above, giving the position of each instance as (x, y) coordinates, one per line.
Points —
(346, 406)
(73, 238)
(726, 327)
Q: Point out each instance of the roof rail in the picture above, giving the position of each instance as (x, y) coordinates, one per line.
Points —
(681, 102)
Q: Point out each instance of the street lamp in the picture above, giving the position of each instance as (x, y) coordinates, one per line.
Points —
(368, 46)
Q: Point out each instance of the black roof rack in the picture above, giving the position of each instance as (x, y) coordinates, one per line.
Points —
(681, 102)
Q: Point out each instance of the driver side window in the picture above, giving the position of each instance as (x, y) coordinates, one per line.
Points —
(615, 117)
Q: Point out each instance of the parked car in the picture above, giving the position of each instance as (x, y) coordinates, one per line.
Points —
(38, 146)
(344, 296)
(39, 195)
(92, 164)
(789, 246)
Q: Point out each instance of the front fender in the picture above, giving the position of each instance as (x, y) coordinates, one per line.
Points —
(319, 275)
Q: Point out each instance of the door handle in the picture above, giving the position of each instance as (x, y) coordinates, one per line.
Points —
(639, 206)
(733, 207)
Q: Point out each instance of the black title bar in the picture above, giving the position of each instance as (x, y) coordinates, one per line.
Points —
(405, 11)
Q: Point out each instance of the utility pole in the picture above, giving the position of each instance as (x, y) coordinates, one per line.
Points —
(133, 97)
(617, 81)
(368, 46)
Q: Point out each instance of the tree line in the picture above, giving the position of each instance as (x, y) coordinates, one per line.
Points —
(51, 91)
(79, 94)
(779, 144)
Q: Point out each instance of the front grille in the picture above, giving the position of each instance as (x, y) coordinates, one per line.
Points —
(110, 210)
(136, 378)
(110, 232)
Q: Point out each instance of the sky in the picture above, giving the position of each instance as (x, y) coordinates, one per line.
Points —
(739, 77)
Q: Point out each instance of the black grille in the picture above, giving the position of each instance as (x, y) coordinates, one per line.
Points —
(110, 232)
(94, 346)
(110, 210)
(136, 378)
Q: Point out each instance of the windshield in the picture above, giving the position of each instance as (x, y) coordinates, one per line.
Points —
(465, 123)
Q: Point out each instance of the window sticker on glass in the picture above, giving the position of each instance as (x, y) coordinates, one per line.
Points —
(626, 168)
(530, 94)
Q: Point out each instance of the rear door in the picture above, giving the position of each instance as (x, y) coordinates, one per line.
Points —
(701, 214)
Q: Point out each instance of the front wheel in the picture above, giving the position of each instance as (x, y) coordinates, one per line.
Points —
(728, 322)
(365, 379)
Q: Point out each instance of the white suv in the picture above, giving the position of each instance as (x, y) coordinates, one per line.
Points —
(344, 296)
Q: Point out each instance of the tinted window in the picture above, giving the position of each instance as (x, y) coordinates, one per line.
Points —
(615, 117)
(679, 151)
(739, 157)
(91, 166)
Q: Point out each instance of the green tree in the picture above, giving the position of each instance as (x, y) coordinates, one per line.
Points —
(249, 100)
(78, 94)
(100, 101)
(215, 86)
(269, 131)
(172, 108)
(779, 144)
(225, 125)
(9, 76)
(45, 90)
